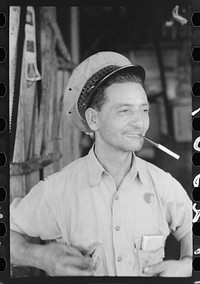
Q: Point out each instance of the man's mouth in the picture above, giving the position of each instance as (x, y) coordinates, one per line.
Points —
(134, 134)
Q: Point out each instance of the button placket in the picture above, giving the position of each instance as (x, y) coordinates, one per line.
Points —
(119, 259)
(117, 233)
(108, 181)
(117, 228)
(117, 197)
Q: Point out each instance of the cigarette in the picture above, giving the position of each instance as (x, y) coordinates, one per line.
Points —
(161, 147)
(195, 111)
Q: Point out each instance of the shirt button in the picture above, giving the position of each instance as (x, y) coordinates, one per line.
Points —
(119, 259)
(117, 228)
(116, 197)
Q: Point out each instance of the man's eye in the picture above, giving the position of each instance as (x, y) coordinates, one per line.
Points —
(124, 110)
(146, 110)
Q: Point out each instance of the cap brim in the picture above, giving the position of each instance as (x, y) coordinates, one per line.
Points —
(134, 69)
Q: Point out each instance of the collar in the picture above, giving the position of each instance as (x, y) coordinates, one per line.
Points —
(96, 169)
(141, 168)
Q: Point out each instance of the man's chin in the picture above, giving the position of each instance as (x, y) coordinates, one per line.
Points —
(134, 144)
(133, 148)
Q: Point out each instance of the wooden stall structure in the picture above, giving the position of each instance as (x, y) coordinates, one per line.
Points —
(44, 140)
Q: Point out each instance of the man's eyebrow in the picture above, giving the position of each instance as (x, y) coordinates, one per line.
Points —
(146, 104)
(118, 105)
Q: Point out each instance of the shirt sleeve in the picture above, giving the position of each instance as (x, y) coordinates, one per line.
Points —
(178, 208)
(33, 214)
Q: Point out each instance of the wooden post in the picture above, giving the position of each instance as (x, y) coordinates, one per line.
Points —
(75, 38)
(75, 54)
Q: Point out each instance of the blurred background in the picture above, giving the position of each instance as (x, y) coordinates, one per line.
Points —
(46, 43)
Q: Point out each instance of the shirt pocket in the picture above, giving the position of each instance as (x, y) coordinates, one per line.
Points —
(151, 251)
(147, 258)
(94, 249)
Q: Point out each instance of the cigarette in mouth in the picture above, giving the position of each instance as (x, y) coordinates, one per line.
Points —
(161, 147)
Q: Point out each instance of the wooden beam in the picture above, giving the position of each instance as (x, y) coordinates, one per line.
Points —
(34, 164)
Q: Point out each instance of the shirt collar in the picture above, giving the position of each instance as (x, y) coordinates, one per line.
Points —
(142, 172)
(96, 169)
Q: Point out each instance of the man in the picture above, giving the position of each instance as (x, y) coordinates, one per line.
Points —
(110, 212)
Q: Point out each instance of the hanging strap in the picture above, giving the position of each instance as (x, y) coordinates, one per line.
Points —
(19, 55)
(39, 56)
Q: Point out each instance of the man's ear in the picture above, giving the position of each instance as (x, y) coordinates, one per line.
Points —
(91, 116)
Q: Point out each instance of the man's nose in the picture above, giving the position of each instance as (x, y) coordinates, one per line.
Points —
(136, 119)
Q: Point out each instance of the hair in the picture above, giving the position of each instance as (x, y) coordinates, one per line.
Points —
(99, 97)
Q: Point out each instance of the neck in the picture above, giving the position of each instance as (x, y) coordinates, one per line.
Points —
(117, 163)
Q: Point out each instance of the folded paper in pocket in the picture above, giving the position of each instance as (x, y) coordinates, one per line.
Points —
(152, 243)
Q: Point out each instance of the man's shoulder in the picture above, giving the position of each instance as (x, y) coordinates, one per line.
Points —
(74, 165)
(163, 181)
(74, 168)
(151, 168)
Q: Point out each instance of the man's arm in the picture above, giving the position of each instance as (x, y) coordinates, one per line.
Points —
(186, 246)
(55, 258)
(20, 251)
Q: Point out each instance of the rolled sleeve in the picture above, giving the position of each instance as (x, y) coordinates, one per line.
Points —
(178, 208)
(32, 215)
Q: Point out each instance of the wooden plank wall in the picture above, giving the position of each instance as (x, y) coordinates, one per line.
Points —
(41, 132)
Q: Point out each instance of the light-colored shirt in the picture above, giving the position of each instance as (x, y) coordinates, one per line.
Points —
(128, 227)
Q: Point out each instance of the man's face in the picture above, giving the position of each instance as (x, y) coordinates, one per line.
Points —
(124, 115)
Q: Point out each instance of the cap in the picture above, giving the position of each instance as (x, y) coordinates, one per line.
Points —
(87, 77)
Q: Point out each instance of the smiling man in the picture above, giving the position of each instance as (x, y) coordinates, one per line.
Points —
(110, 212)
